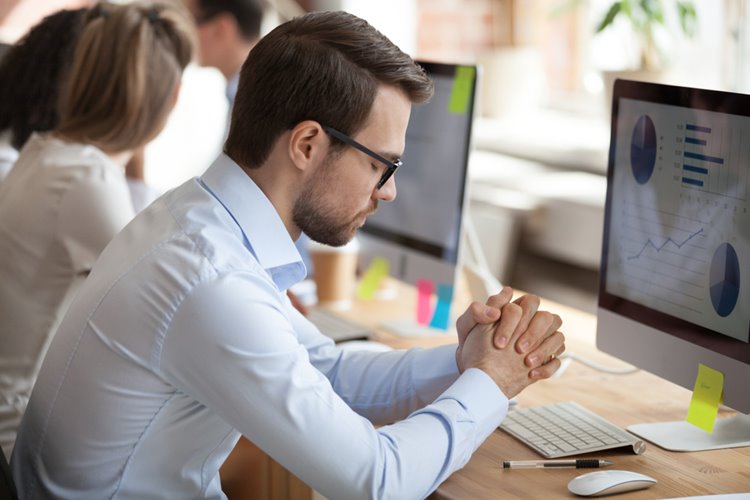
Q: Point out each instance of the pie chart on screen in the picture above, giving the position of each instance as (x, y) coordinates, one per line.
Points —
(643, 149)
(724, 279)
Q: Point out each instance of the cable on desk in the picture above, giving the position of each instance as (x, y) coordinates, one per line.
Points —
(568, 357)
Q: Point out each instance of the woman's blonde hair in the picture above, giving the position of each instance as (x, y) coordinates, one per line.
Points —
(126, 67)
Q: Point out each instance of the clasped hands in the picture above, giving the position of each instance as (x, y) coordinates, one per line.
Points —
(512, 342)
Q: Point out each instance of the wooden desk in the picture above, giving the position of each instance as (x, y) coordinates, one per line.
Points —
(622, 399)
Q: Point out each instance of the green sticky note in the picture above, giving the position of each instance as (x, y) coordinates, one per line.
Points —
(461, 92)
(372, 278)
(707, 395)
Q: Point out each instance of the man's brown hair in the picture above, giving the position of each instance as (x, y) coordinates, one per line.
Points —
(323, 66)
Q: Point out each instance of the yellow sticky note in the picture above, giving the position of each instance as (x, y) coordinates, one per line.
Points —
(461, 91)
(372, 278)
(707, 395)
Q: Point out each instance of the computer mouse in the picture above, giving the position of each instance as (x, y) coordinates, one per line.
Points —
(609, 482)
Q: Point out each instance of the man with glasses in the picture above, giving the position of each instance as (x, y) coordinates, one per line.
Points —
(182, 338)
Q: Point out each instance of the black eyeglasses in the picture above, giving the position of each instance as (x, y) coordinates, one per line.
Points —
(391, 166)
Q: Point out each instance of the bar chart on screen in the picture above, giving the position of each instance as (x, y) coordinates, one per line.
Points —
(710, 158)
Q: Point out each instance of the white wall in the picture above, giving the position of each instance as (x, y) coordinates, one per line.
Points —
(194, 133)
(396, 19)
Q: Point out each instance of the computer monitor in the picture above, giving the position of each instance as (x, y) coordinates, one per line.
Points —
(419, 233)
(675, 278)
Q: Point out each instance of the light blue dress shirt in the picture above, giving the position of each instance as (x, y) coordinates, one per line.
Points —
(182, 338)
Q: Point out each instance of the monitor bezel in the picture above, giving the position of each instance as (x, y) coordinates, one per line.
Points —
(627, 329)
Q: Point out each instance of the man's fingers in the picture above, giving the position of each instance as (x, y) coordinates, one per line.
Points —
(476, 314)
(509, 318)
(551, 362)
(501, 298)
(484, 314)
(479, 314)
(552, 347)
(546, 370)
(541, 326)
(529, 304)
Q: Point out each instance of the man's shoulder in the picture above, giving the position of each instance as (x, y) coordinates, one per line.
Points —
(188, 231)
(203, 227)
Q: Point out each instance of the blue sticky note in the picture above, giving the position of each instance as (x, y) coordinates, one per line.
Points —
(443, 307)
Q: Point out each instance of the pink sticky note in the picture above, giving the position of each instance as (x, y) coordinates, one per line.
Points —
(424, 299)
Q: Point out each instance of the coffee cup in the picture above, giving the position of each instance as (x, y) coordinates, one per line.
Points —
(334, 273)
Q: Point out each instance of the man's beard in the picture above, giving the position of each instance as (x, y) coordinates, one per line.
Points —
(324, 224)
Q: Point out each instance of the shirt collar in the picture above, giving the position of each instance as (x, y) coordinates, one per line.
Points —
(259, 221)
(231, 90)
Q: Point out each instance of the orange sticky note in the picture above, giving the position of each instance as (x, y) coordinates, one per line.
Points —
(708, 393)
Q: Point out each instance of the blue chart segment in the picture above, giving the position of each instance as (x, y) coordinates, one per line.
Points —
(659, 248)
(643, 149)
(724, 279)
(696, 163)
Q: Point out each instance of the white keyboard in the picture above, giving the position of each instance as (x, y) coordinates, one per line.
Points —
(563, 429)
(337, 327)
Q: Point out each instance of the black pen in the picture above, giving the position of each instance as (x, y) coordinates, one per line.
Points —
(551, 464)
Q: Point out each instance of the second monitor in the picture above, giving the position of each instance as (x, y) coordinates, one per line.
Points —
(673, 296)
(419, 233)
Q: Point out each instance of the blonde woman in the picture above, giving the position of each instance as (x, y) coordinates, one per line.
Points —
(67, 195)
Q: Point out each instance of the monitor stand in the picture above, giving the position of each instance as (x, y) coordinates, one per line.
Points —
(729, 432)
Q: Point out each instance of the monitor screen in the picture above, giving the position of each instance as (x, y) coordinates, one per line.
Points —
(675, 278)
(420, 231)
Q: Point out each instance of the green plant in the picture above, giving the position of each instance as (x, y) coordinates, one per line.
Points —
(646, 17)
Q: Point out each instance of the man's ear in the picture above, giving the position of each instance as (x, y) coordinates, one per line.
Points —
(308, 144)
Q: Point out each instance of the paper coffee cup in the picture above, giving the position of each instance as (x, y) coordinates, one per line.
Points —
(334, 272)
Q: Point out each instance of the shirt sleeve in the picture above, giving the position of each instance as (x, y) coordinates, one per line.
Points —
(232, 348)
(92, 212)
(381, 386)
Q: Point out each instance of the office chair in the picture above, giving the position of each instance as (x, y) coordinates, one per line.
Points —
(7, 488)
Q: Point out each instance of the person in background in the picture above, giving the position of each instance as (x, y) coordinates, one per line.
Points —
(67, 196)
(30, 78)
(31, 74)
(182, 338)
(227, 30)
